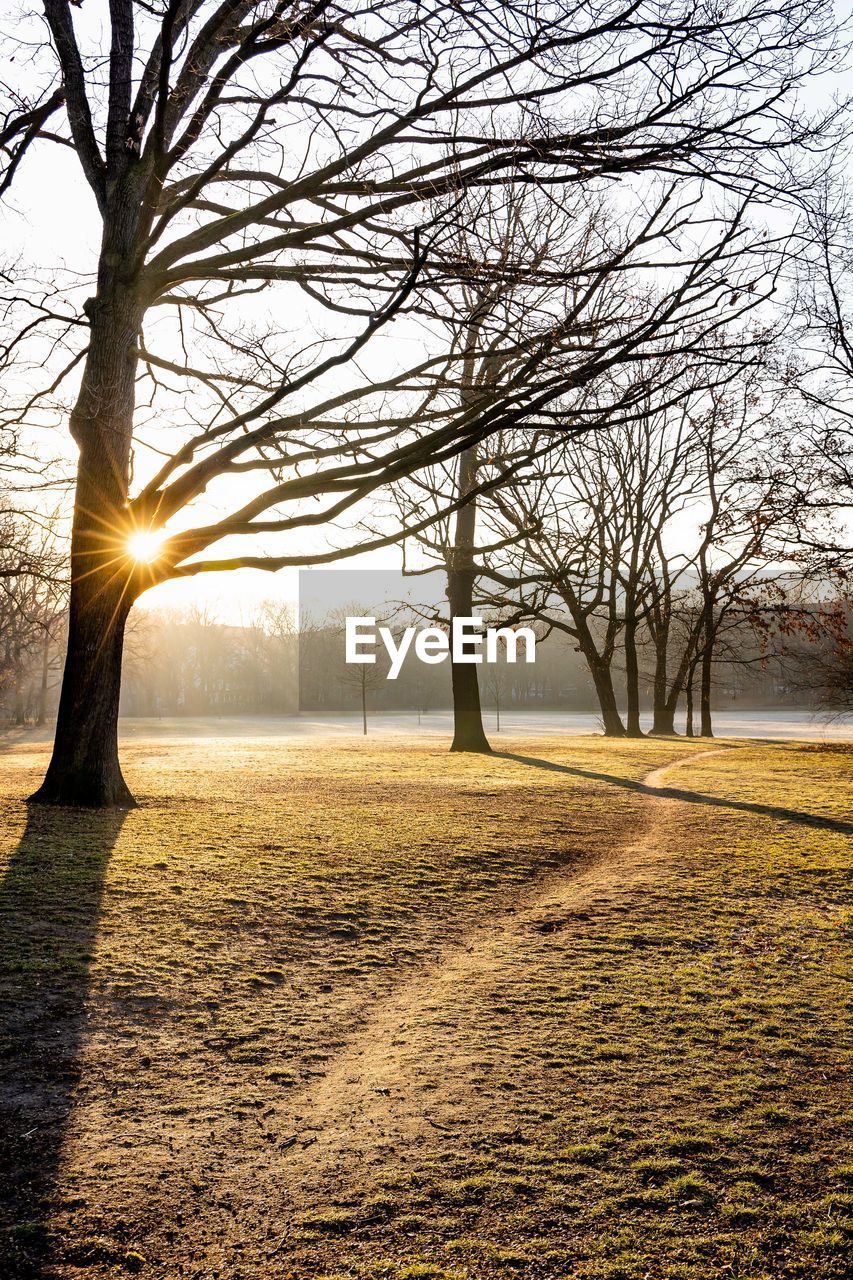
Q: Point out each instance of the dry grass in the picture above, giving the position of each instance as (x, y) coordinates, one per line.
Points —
(338, 1010)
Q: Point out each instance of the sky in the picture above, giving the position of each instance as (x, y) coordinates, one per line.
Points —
(50, 217)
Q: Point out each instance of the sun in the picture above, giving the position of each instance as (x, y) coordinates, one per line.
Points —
(144, 545)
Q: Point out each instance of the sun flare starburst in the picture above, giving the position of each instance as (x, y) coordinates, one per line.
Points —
(144, 545)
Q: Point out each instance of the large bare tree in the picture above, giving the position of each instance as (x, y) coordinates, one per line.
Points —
(231, 145)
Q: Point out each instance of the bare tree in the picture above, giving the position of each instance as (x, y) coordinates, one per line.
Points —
(558, 566)
(525, 468)
(748, 563)
(662, 536)
(818, 367)
(819, 660)
(363, 678)
(236, 144)
(579, 537)
(33, 605)
(713, 538)
(495, 318)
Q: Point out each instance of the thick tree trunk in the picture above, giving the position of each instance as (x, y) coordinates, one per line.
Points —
(666, 695)
(632, 679)
(663, 725)
(84, 768)
(666, 705)
(660, 720)
(603, 681)
(663, 722)
(468, 731)
(599, 669)
(688, 728)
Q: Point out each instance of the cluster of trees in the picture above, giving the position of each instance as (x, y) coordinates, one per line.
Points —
(494, 228)
(33, 595)
(190, 663)
(662, 548)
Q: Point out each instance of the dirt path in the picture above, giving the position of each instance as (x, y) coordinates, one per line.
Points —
(383, 1091)
(492, 1020)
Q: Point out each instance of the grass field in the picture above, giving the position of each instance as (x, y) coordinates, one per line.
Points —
(576, 1012)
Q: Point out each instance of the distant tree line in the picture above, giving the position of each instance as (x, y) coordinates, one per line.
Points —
(666, 549)
(190, 664)
(33, 601)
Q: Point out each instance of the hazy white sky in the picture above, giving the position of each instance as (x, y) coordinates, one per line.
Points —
(50, 220)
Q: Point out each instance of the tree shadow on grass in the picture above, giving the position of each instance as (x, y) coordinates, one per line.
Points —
(50, 902)
(815, 820)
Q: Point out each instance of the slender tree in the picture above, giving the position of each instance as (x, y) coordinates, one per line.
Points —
(495, 317)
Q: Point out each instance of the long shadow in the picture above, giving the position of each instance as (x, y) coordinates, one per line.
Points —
(50, 902)
(690, 797)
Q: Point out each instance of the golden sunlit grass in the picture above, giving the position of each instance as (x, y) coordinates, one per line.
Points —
(642, 1081)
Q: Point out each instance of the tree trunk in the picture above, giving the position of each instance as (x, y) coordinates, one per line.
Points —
(468, 731)
(659, 687)
(632, 679)
(665, 698)
(688, 729)
(364, 709)
(45, 673)
(599, 669)
(603, 681)
(664, 715)
(706, 725)
(84, 768)
(663, 720)
(664, 725)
